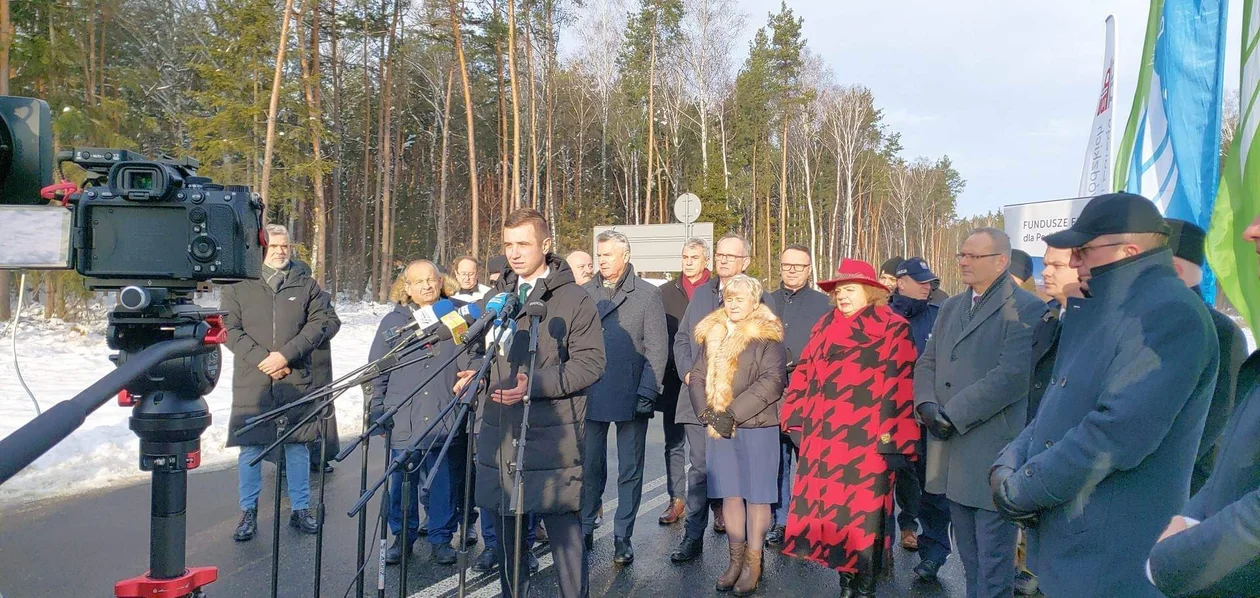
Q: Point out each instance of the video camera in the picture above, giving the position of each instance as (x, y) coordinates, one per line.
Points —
(153, 229)
(135, 222)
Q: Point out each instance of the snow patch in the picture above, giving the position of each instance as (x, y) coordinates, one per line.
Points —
(59, 360)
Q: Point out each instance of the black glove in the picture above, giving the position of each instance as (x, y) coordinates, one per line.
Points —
(999, 484)
(896, 461)
(646, 407)
(722, 421)
(935, 421)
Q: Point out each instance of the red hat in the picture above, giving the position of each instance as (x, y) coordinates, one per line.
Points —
(852, 271)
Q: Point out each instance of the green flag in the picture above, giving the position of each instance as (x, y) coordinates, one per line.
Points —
(1238, 199)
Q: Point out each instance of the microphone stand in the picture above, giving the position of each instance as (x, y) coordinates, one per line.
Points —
(466, 403)
(389, 413)
(518, 486)
(390, 357)
(363, 475)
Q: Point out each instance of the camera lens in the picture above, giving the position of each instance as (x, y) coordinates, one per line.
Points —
(204, 248)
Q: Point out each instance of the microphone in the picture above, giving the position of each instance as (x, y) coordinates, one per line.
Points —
(499, 307)
(422, 319)
(457, 321)
(536, 309)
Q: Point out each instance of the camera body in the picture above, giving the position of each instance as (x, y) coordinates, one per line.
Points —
(157, 224)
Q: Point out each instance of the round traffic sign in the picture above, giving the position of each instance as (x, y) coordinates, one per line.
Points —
(687, 208)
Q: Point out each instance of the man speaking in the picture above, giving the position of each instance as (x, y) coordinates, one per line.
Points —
(570, 358)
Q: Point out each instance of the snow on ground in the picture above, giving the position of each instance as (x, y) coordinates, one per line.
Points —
(58, 360)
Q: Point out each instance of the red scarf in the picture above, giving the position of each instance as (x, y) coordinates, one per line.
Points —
(690, 287)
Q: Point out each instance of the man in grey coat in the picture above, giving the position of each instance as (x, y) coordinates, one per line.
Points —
(1107, 461)
(633, 318)
(971, 393)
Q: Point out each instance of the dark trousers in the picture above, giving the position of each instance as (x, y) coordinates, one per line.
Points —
(934, 529)
(908, 492)
(491, 537)
(631, 443)
(787, 471)
(986, 545)
(697, 483)
(675, 455)
(440, 504)
(567, 550)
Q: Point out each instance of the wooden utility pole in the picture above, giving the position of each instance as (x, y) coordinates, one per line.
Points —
(275, 101)
(315, 118)
(651, 118)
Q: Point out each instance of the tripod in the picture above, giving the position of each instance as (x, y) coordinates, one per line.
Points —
(168, 358)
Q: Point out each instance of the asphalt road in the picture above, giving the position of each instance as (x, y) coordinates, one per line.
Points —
(80, 546)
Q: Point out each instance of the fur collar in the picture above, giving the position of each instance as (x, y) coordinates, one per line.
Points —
(723, 347)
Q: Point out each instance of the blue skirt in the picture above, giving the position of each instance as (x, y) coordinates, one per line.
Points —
(745, 466)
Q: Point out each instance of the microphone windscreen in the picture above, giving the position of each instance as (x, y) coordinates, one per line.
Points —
(470, 312)
(454, 321)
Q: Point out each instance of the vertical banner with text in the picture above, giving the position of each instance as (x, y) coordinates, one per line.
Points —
(1096, 175)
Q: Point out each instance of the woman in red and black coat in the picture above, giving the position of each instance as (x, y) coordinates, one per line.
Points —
(849, 409)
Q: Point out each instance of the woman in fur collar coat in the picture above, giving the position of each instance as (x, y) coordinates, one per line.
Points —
(849, 411)
(736, 387)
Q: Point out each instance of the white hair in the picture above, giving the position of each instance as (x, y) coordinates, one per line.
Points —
(276, 229)
(697, 243)
(742, 283)
(614, 237)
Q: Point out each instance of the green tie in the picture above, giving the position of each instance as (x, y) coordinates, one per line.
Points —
(524, 291)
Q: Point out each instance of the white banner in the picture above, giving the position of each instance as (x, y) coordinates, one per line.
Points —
(1028, 223)
(1096, 175)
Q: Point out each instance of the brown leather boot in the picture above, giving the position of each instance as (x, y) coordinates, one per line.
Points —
(728, 579)
(719, 522)
(750, 575)
(673, 512)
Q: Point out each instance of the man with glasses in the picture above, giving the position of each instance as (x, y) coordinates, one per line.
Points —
(466, 275)
(733, 257)
(970, 392)
(799, 307)
(1106, 463)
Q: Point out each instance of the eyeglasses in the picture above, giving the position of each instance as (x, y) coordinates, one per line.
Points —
(793, 267)
(1082, 251)
(973, 256)
(728, 257)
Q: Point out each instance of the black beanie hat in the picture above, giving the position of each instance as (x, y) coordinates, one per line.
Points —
(890, 265)
(1187, 241)
(1021, 265)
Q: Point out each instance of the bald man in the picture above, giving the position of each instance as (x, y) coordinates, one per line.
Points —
(582, 265)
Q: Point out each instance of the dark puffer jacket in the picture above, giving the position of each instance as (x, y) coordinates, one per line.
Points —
(570, 358)
(294, 321)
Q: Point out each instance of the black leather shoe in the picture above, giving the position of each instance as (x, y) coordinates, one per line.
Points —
(486, 563)
(846, 585)
(328, 468)
(444, 554)
(776, 536)
(396, 550)
(470, 538)
(304, 521)
(863, 586)
(590, 542)
(926, 570)
(623, 552)
(248, 526)
(687, 550)
(1025, 584)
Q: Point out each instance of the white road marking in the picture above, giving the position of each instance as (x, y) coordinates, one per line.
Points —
(610, 506)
